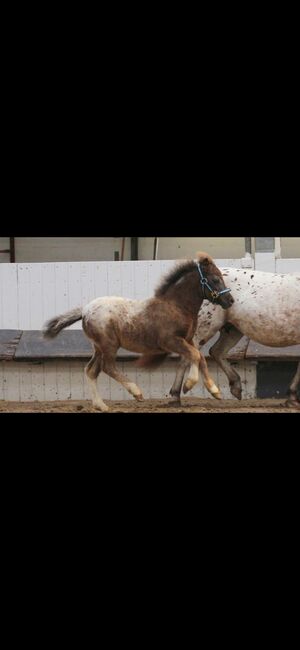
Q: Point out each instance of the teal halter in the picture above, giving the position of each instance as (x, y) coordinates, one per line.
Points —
(205, 285)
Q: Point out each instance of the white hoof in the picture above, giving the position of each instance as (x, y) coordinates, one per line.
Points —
(189, 384)
(100, 406)
(135, 391)
(139, 397)
(213, 390)
(217, 395)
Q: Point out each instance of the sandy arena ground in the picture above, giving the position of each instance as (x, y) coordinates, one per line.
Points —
(188, 405)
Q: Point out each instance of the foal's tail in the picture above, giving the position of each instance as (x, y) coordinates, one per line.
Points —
(55, 325)
(151, 360)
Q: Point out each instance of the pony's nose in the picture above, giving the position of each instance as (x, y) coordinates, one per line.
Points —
(231, 300)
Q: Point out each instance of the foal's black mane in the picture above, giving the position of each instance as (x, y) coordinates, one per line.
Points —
(173, 276)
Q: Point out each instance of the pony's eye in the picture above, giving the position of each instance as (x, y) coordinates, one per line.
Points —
(216, 279)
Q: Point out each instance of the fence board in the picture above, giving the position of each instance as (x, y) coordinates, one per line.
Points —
(11, 382)
(127, 280)
(8, 296)
(1, 380)
(76, 379)
(38, 382)
(48, 292)
(63, 380)
(141, 284)
(114, 279)
(75, 290)
(288, 266)
(51, 392)
(36, 296)
(61, 289)
(87, 282)
(24, 304)
(25, 382)
(101, 279)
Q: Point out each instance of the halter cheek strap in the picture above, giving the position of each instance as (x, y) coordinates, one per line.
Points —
(205, 284)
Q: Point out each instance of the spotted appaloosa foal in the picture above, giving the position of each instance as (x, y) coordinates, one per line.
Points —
(155, 327)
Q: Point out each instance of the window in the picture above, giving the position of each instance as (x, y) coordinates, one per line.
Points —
(264, 244)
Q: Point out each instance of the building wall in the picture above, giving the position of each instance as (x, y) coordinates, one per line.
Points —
(66, 249)
(171, 248)
(89, 249)
(85, 249)
(4, 244)
(290, 247)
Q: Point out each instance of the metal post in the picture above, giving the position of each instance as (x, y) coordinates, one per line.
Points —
(248, 245)
(122, 249)
(277, 247)
(10, 250)
(134, 248)
(156, 240)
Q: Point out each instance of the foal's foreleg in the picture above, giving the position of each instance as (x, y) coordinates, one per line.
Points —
(196, 360)
(229, 337)
(92, 371)
(293, 400)
(208, 381)
(109, 367)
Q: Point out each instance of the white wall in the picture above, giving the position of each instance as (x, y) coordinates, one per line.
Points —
(30, 294)
(269, 263)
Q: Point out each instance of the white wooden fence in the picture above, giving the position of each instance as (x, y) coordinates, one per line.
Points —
(32, 293)
(65, 380)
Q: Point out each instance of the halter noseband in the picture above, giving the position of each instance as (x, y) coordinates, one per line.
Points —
(204, 283)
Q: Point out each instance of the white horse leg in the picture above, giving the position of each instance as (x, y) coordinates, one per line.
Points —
(293, 400)
(229, 337)
(110, 369)
(92, 371)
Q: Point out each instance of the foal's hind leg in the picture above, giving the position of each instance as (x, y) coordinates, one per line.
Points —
(177, 385)
(92, 371)
(109, 367)
(229, 337)
(293, 400)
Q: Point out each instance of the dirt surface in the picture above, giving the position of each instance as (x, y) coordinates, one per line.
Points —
(188, 405)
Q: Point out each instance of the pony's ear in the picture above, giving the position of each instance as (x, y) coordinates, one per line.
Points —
(204, 258)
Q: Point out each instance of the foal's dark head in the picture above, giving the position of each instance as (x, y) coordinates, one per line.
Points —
(212, 282)
(202, 278)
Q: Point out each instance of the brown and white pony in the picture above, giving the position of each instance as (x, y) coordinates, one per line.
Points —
(163, 324)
